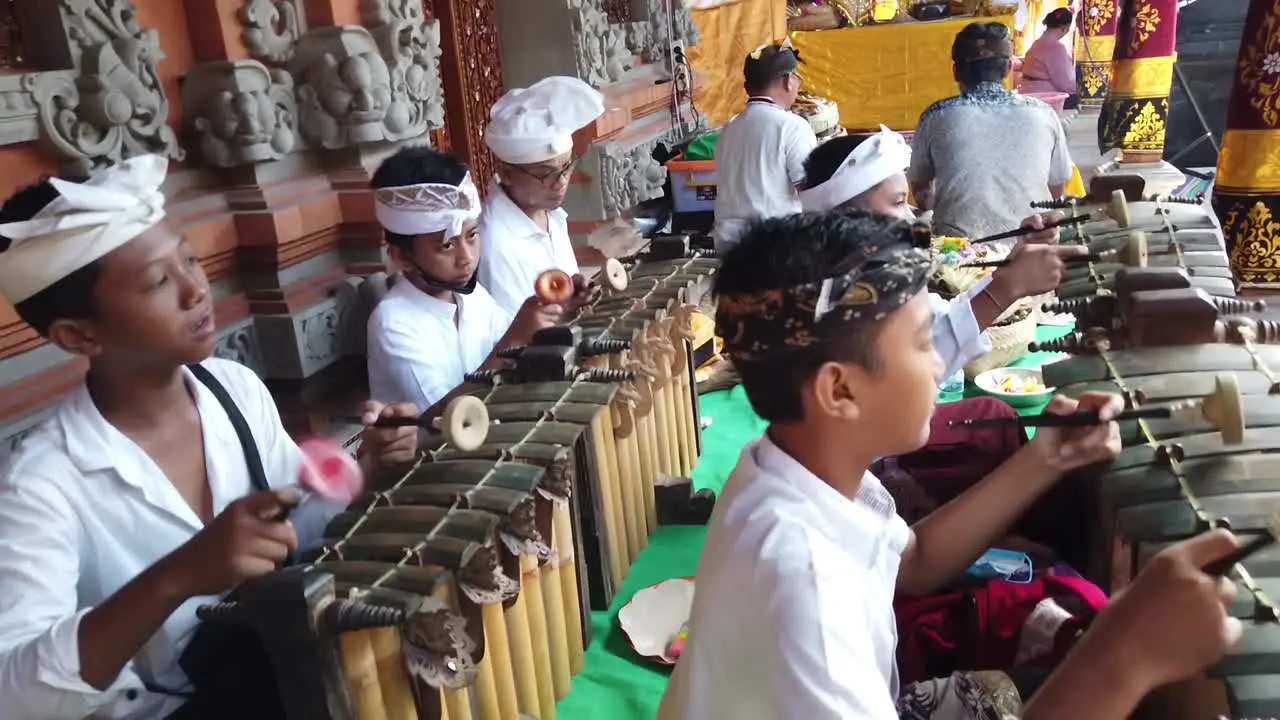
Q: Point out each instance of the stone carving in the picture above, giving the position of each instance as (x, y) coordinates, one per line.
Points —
(347, 94)
(271, 29)
(115, 107)
(240, 344)
(629, 176)
(670, 26)
(237, 114)
(602, 49)
(411, 46)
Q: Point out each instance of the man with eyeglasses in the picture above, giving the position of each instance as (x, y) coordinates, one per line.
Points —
(761, 152)
(523, 230)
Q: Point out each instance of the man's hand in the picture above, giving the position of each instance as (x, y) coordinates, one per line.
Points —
(532, 317)
(1038, 222)
(1065, 449)
(585, 292)
(1033, 268)
(388, 446)
(1172, 621)
(245, 541)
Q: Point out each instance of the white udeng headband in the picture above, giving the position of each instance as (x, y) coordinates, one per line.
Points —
(428, 208)
(85, 222)
(877, 159)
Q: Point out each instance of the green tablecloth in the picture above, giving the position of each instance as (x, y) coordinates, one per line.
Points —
(616, 683)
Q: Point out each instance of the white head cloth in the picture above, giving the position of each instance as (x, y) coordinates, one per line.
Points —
(877, 159)
(427, 208)
(85, 222)
(537, 123)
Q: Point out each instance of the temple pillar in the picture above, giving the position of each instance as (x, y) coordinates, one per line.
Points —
(634, 54)
(1095, 46)
(1136, 109)
(1246, 192)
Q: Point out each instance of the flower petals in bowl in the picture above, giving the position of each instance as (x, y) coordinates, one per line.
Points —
(1018, 386)
(655, 616)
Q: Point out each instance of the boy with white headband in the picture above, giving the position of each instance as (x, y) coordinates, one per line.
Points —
(870, 173)
(436, 324)
(157, 484)
(761, 152)
(524, 231)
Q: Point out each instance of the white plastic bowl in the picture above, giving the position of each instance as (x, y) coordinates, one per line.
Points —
(989, 383)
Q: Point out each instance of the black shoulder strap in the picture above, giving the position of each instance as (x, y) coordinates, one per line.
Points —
(257, 475)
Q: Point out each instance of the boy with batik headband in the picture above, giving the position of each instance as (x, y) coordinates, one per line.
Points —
(524, 232)
(157, 484)
(436, 324)
(826, 319)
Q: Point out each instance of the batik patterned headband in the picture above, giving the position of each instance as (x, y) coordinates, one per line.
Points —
(762, 324)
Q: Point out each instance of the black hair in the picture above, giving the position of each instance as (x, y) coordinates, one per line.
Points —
(793, 250)
(971, 73)
(416, 165)
(1058, 18)
(825, 159)
(70, 298)
(775, 63)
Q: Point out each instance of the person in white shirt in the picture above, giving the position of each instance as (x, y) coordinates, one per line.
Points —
(761, 152)
(137, 501)
(826, 319)
(524, 231)
(436, 323)
(869, 172)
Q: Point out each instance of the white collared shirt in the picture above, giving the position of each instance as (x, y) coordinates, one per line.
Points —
(83, 511)
(793, 611)
(514, 250)
(759, 162)
(420, 348)
(956, 335)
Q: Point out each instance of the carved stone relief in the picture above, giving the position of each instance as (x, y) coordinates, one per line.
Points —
(410, 43)
(630, 176)
(240, 344)
(298, 346)
(237, 114)
(114, 107)
(271, 28)
(603, 50)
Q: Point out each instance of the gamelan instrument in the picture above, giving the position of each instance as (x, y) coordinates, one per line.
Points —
(1116, 210)
(1177, 476)
(460, 586)
(1177, 242)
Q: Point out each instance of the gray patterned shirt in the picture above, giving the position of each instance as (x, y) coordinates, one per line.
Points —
(991, 152)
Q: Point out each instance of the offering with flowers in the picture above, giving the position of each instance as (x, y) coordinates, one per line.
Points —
(953, 255)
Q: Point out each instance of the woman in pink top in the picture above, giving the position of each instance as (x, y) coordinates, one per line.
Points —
(1048, 67)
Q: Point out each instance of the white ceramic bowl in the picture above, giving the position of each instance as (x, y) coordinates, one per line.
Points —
(989, 383)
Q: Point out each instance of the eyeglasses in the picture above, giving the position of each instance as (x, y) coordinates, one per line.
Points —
(549, 177)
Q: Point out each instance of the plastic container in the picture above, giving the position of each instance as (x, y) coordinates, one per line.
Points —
(989, 383)
(954, 384)
(693, 185)
(1057, 101)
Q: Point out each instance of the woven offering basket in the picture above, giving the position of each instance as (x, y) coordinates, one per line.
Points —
(1010, 335)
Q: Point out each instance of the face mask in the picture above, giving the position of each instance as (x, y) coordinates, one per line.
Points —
(431, 284)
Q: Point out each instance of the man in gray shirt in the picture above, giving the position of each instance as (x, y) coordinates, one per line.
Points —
(981, 158)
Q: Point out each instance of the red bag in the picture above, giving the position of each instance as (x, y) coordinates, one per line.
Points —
(997, 625)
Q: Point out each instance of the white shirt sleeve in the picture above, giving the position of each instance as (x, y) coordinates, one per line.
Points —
(819, 674)
(1060, 161)
(956, 335)
(40, 555)
(800, 142)
(505, 281)
(409, 363)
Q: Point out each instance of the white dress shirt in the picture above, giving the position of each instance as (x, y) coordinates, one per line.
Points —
(956, 335)
(514, 250)
(83, 511)
(420, 347)
(793, 613)
(759, 162)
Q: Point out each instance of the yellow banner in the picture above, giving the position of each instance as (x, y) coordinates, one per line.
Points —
(1249, 161)
(1095, 48)
(1142, 77)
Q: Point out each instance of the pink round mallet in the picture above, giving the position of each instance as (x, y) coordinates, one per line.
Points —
(329, 471)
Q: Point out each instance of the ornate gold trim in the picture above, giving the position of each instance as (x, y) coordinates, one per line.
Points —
(1249, 161)
(1142, 77)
